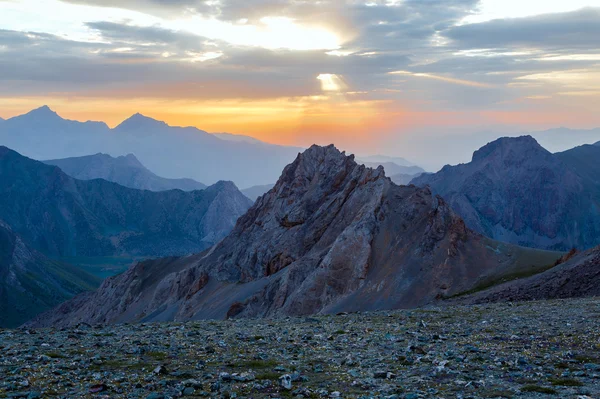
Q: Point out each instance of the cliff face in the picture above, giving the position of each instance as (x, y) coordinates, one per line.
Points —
(515, 191)
(331, 236)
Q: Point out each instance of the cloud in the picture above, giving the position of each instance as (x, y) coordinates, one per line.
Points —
(565, 31)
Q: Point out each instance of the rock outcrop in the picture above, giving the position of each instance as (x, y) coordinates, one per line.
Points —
(31, 283)
(515, 191)
(125, 170)
(61, 216)
(331, 236)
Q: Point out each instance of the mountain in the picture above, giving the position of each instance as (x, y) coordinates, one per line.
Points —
(331, 236)
(562, 139)
(237, 138)
(30, 283)
(403, 178)
(257, 191)
(598, 143)
(61, 216)
(577, 277)
(384, 159)
(393, 169)
(184, 151)
(516, 191)
(124, 170)
(42, 134)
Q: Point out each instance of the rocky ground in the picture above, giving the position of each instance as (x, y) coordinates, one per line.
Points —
(521, 350)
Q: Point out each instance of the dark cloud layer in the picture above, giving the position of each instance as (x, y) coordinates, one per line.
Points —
(574, 30)
(418, 36)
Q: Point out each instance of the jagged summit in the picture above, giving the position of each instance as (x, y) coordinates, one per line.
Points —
(509, 148)
(330, 236)
(140, 122)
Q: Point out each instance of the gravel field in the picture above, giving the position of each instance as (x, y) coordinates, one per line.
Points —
(522, 350)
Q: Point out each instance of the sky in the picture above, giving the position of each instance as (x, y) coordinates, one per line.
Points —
(369, 76)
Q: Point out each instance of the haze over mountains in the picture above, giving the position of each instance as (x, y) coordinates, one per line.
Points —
(63, 216)
(331, 236)
(516, 191)
(171, 152)
(124, 170)
(31, 283)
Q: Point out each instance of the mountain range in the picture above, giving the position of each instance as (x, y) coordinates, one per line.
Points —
(31, 283)
(171, 152)
(124, 170)
(62, 216)
(516, 191)
(330, 236)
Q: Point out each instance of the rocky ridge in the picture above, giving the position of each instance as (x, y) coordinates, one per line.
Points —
(331, 236)
(515, 191)
(62, 216)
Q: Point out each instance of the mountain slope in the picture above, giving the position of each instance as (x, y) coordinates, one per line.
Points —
(515, 191)
(30, 283)
(577, 277)
(124, 170)
(62, 216)
(184, 151)
(331, 236)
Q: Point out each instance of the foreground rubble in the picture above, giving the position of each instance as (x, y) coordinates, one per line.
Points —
(521, 350)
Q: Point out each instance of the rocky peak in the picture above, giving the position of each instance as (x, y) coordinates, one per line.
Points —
(510, 149)
(331, 236)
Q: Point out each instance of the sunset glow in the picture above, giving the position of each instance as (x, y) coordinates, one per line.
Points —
(297, 72)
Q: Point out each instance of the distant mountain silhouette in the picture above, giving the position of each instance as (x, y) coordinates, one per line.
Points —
(31, 283)
(515, 191)
(257, 191)
(331, 236)
(63, 216)
(124, 170)
(379, 159)
(404, 179)
(170, 152)
(392, 168)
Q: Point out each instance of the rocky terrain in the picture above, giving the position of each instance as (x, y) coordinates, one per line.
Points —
(31, 283)
(516, 191)
(61, 216)
(522, 350)
(124, 170)
(331, 236)
(577, 276)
